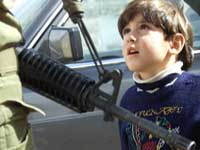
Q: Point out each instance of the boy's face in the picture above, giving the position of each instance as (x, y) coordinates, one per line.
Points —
(144, 47)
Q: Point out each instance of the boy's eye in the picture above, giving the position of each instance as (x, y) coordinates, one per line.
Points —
(126, 31)
(144, 26)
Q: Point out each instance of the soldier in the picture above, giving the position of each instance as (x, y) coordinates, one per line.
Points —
(14, 129)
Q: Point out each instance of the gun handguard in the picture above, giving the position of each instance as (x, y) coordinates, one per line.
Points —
(54, 80)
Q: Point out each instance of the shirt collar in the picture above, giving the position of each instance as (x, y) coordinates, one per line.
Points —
(174, 69)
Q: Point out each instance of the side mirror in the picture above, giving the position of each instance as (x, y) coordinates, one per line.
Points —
(65, 43)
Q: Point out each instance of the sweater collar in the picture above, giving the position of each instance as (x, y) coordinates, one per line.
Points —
(163, 79)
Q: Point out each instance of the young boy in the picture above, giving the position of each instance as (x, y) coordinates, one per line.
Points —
(157, 47)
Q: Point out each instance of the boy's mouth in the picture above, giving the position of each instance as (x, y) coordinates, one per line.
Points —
(132, 51)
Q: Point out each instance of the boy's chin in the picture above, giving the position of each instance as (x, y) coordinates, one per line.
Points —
(131, 68)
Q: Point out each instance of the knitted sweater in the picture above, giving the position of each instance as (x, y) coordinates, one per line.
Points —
(175, 107)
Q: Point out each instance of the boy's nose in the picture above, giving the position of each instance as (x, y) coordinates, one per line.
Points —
(131, 38)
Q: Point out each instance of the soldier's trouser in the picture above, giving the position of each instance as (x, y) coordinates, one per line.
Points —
(14, 130)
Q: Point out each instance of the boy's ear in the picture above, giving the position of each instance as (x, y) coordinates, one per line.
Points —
(177, 43)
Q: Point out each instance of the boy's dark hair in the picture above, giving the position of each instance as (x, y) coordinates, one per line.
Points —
(166, 15)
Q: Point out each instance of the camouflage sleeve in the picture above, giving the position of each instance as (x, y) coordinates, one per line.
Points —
(10, 36)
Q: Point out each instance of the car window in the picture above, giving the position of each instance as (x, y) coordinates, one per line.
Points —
(31, 10)
(32, 15)
(101, 20)
(194, 18)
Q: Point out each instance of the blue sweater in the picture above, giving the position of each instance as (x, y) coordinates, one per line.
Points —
(175, 107)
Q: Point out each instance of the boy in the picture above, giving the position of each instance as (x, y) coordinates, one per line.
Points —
(157, 47)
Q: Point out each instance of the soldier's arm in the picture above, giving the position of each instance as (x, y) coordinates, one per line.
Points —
(10, 29)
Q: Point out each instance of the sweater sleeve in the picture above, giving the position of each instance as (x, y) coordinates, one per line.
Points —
(196, 113)
(196, 130)
(125, 128)
(123, 138)
(196, 136)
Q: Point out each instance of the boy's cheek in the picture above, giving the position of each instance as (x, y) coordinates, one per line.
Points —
(124, 44)
(123, 50)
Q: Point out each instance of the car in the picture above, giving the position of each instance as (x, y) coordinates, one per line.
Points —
(43, 22)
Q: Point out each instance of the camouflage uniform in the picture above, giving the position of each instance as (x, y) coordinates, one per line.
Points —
(14, 129)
